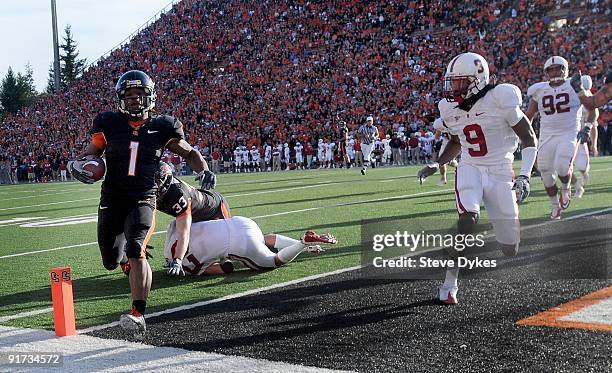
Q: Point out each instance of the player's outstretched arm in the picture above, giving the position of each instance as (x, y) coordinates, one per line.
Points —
(183, 230)
(207, 179)
(601, 97)
(451, 152)
(528, 139)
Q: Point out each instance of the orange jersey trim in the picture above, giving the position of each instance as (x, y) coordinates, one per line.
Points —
(99, 140)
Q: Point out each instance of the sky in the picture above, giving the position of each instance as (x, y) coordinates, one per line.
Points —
(97, 26)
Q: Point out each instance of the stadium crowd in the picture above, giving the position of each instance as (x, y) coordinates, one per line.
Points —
(252, 73)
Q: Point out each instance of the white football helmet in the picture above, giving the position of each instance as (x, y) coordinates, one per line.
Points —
(557, 61)
(466, 75)
(587, 82)
(370, 120)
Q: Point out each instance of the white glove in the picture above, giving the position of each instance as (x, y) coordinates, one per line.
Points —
(175, 267)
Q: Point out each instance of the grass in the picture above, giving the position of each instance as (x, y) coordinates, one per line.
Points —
(337, 201)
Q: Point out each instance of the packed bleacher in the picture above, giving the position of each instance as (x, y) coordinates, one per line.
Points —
(250, 72)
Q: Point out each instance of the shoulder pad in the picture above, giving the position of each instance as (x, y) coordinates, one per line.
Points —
(166, 121)
(507, 95)
(438, 125)
(534, 88)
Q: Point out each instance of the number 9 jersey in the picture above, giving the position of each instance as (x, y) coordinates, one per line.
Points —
(559, 108)
(485, 131)
(133, 152)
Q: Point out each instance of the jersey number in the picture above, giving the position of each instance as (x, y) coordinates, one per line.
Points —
(474, 135)
(560, 106)
(180, 205)
(133, 158)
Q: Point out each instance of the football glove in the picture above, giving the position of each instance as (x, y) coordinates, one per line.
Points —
(521, 186)
(576, 82)
(427, 171)
(207, 180)
(175, 267)
(77, 171)
(584, 134)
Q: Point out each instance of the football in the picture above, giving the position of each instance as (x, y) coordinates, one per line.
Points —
(97, 166)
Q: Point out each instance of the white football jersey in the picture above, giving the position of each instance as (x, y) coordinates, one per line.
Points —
(255, 155)
(268, 153)
(329, 147)
(208, 242)
(559, 107)
(298, 149)
(485, 132)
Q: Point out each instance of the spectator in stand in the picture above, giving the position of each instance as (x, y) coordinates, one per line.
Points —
(216, 157)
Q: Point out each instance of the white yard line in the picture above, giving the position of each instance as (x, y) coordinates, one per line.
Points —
(84, 353)
(49, 204)
(26, 314)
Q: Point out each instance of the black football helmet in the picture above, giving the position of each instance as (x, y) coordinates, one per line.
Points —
(163, 178)
(136, 79)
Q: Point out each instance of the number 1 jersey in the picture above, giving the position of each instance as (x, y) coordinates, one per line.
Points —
(485, 131)
(133, 153)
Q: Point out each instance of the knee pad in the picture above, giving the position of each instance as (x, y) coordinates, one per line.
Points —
(466, 223)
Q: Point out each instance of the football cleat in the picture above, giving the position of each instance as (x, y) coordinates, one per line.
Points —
(311, 238)
(448, 295)
(363, 171)
(565, 198)
(555, 213)
(441, 182)
(579, 191)
(314, 249)
(134, 322)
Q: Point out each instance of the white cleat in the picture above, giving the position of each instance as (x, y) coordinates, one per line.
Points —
(313, 249)
(555, 213)
(565, 198)
(579, 191)
(448, 295)
(135, 323)
(441, 182)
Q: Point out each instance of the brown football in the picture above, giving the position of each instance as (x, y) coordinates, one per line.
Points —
(97, 166)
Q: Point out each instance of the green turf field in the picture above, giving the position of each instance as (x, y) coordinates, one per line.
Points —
(283, 202)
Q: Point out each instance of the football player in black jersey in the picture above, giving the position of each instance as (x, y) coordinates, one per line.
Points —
(133, 140)
(187, 205)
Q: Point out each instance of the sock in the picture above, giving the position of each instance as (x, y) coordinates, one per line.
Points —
(140, 306)
(451, 277)
(284, 241)
(565, 186)
(554, 200)
(289, 253)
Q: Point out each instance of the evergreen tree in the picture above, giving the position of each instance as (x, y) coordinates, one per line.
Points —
(25, 86)
(72, 66)
(9, 93)
(51, 80)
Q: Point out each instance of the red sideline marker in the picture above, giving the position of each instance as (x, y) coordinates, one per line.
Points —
(63, 303)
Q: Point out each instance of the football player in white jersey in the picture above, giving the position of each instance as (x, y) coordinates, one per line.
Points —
(255, 159)
(581, 161)
(560, 113)
(238, 239)
(237, 159)
(245, 159)
(268, 157)
(321, 153)
(299, 155)
(486, 123)
(329, 154)
(386, 156)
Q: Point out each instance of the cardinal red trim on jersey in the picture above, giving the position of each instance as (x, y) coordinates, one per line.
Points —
(460, 208)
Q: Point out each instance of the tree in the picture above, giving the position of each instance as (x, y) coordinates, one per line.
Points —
(72, 67)
(51, 80)
(17, 91)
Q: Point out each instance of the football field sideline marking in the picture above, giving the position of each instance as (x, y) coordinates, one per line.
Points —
(84, 353)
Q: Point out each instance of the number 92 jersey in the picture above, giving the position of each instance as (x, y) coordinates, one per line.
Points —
(559, 108)
(132, 154)
(485, 131)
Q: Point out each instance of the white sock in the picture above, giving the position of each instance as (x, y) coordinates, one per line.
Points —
(451, 277)
(289, 253)
(284, 241)
(554, 200)
(565, 186)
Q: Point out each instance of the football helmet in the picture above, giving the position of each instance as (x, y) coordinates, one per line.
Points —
(146, 103)
(370, 119)
(466, 75)
(163, 178)
(556, 61)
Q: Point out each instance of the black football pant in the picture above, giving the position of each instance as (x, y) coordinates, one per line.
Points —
(124, 225)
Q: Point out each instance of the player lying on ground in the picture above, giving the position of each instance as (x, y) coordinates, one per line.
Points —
(239, 239)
